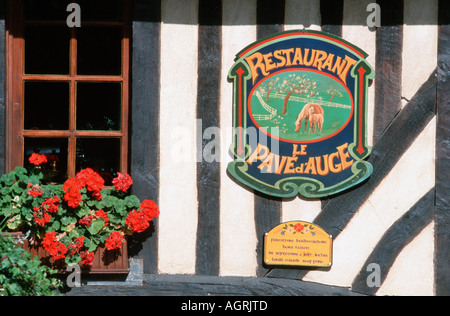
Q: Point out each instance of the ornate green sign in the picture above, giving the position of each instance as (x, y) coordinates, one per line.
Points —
(300, 115)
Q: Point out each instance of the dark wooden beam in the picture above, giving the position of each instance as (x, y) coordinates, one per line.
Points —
(2, 88)
(442, 198)
(208, 109)
(144, 142)
(388, 80)
(332, 15)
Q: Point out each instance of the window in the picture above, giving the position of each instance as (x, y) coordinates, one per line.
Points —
(67, 88)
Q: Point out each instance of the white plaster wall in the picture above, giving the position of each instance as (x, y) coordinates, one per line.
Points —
(420, 44)
(411, 178)
(178, 169)
(237, 218)
(413, 272)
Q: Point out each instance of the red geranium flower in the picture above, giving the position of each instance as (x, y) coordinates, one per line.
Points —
(92, 180)
(77, 245)
(48, 240)
(87, 258)
(51, 205)
(114, 241)
(37, 159)
(35, 190)
(150, 209)
(123, 182)
(41, 218)
(86, 220)
(72, 193)
(58, 251)
(137, 221)
(50, 243)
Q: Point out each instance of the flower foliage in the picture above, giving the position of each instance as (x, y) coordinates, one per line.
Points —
(71, 220)
(22, 275)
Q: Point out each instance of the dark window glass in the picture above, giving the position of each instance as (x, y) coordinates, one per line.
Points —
(99, 51)
(46, 9)
(100, 154)
(46, 106)
(98, 106)
(56, 151)
(101, 10)
(91, 10)
(47, 49)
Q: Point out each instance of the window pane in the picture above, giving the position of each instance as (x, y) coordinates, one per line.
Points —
(46, 9)
(47, 49)
(100, 51)
(101, 10)
(99, 106)
(100, 154)
(46, 105)
(56, 151)
(91, 10)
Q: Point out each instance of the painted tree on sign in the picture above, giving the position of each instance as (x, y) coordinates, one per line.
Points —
(334, 93)
(269, 86)
(300, 85)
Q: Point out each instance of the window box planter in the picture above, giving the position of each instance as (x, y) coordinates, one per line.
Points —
(105, 261)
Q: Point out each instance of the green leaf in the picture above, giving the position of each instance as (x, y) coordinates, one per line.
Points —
(67, 220)
(132, 202)
(56, 225)
(82, 211)
(93, 245)
(96, 226)
(8, 178)
(108, 201)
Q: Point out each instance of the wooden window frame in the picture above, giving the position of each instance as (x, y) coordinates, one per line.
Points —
(16, 77)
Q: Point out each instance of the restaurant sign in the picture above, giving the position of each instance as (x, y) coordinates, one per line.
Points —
(300, 115)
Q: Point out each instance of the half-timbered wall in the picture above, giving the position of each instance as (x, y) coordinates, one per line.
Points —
(211, 225)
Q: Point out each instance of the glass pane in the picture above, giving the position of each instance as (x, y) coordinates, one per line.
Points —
(46, 9)
(56, 151)
(98, 10)
(47, 50)
(100, 51)
(101, 10)
(99, 106)
(100, 154)
(46, 105)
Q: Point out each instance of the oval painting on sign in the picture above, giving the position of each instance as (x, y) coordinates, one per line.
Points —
(306, 106)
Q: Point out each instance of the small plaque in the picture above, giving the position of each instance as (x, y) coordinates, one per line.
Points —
(298, 244)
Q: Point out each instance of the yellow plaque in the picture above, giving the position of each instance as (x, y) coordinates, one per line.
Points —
(298, 244)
